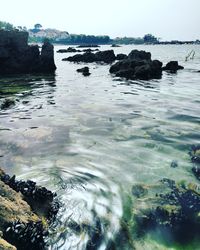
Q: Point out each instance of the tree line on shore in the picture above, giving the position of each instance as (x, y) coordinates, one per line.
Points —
(37, 35)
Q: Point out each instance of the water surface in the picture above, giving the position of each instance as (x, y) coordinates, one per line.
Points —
(91, 138)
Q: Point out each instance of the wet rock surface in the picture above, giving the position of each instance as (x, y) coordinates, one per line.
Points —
(107, 56)
(84, 71)
(138, 65)
(121, 57)
(7, 103)
(25, 209)
(172, 67)
(88, 46)
(16, 56)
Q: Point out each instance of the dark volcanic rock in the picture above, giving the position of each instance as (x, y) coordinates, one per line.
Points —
(16, 56)
(121, 57)
(195, 153)
(138, 65)
(172, 66)
(84, 71)
(107, 56)
(7, 103)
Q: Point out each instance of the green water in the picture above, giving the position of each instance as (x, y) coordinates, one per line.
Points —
(91, 139)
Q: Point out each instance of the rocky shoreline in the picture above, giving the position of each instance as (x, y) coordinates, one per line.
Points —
(26, 210)
(17, 57)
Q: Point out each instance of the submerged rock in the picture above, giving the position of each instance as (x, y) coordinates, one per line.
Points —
(23, 207)
(195, 153)
(7, 103)
(172, 66)
(138, 65)
(16, 56)
(173, 211)
(107, 56)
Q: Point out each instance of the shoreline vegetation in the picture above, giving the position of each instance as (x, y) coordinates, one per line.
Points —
(38, 35)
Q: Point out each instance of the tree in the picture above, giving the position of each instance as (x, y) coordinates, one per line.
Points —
(148, 38)
(37, 26)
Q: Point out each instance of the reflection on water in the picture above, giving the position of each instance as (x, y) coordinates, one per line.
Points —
(90, 139)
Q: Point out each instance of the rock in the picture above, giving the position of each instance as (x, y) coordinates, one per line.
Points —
(4, 245)
(121, 57)
(84, 71)
(174, 164)
(172, 67)
(195, 153)
(139, 55)
(138, 65)
(16, 56)
(196, 172)
(115, 46)
(88, 50)
(68, 50)
(88, 46)
(173, 212)
(107, 56)
(23, 209)
(139, 190)
(7, 103)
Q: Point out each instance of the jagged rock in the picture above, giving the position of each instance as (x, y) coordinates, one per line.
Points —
(121, 57)
(138, 65)
(16, 56)
(172, 66)
(106, 56)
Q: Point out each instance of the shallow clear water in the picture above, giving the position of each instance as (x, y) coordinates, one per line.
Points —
(91, 138)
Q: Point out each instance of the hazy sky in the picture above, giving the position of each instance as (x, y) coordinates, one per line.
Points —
(168, 19)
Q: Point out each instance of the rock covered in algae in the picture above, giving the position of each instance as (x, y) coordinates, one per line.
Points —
(173, 210)
(21, 213)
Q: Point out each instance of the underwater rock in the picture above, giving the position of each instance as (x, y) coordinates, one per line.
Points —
(174, 164)
(24, 211)
(139, 190)
(16, 56)
(106, 56)
(196, 172)
(195, 153)
(7, 103)
(138, 65)
(172, 66)
(84, 71)
(174, 210)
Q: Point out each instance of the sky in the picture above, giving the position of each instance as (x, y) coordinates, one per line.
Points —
(166, 19)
